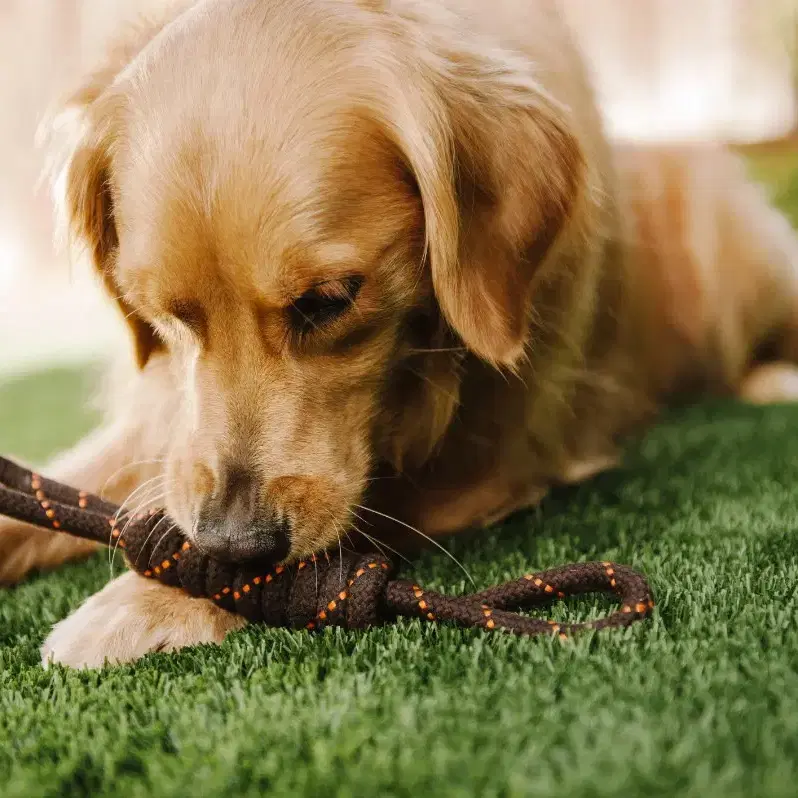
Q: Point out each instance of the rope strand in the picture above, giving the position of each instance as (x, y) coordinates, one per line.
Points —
(354, 591)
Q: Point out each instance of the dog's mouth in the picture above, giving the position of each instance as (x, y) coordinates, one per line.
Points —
(270, 522)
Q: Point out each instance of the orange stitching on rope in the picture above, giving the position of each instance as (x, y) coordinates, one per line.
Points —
(32, 499)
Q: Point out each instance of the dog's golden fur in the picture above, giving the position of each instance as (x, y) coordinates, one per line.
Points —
(523, 295)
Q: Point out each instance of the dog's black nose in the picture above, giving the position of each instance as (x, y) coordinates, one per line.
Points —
(229, 541)
(233, 527)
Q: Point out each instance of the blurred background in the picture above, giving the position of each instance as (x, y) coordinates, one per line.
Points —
(664, 69)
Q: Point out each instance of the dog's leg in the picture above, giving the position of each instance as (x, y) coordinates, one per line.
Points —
(584, 470)
(771, 383)
(133, 616)
(114, 461)
(104, 462)
(756, 293)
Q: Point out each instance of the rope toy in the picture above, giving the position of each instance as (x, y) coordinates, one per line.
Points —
(353, 591)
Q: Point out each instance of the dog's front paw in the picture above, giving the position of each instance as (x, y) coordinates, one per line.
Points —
(131, 617)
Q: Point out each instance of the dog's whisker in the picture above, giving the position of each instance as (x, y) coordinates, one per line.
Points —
(433, 384)
(435, 351)
(143, 506)
(113, 549)
(379, 479)
(426, 537)
(160, 540)
(159, 489)
(316, 576)
(139, 508)
(337, 527)
(146, 489)
(146, 502)
(161, 478)
(340, 558)
(125, 467)
(340, 551)
(159, 486)
(147, 539)
(141, 489)
(376, 541)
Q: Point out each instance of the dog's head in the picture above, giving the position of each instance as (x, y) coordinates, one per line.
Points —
(312, 209)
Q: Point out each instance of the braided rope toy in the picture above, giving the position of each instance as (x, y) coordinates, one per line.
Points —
(353, 591)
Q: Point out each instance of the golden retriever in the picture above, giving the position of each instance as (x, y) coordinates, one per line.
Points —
(380, 262)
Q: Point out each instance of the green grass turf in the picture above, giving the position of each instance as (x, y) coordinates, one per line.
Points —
(702, 701)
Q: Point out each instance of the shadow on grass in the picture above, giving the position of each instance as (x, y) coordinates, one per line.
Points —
(720, 465)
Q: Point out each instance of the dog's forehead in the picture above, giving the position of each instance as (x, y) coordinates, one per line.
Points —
(259, 152)
(321, 201)
(342, 197)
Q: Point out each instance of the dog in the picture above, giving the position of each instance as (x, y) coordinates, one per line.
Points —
(384, 273)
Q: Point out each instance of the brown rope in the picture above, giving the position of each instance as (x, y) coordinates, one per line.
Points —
(348, 590)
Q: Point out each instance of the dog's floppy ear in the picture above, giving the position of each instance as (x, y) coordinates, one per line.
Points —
(499, 183)
(90, 207)
(83, 174)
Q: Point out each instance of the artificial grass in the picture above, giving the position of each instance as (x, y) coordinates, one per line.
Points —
(702, 701)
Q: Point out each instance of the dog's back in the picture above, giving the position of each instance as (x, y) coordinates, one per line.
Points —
(713, 268)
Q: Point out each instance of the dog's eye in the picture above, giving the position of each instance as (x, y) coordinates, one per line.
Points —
(323, 304)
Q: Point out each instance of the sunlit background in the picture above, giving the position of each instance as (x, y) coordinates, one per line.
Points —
(665, 70)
